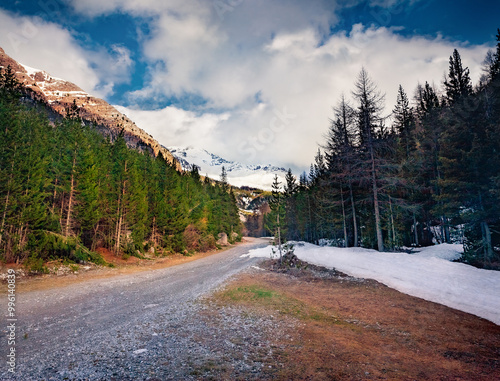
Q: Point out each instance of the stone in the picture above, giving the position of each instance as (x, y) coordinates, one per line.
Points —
(222, 239)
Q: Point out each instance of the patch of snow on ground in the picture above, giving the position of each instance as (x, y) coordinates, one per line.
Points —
(448, 251)
(427, 274)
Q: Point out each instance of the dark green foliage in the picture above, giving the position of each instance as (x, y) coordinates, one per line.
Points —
(435, 174)
(275, 219)
(65, 191)
(494, 69)
(10, 88)
(458, 84)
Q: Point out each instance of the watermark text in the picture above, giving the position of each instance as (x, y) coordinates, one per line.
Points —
(11, 321)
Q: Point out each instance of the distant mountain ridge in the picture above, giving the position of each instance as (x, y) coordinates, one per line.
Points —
(256, 176)
(59, 95)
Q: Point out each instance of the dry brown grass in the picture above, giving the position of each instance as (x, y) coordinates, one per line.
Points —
(349, 329)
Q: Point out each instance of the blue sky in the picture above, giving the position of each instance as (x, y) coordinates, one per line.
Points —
(250, 80)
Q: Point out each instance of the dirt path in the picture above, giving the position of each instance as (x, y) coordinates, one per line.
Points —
(121, 267)
(224, 317)
(131, 326)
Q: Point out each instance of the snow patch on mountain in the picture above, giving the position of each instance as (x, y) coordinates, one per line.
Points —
(32, 72)
(238, 174)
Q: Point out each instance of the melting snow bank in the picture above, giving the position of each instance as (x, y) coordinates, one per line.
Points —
(427, 274)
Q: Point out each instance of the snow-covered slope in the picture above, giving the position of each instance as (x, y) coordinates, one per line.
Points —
(256, 176)
(427, 274)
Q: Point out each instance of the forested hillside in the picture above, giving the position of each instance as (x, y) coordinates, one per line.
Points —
(65, 191)
(429, 172)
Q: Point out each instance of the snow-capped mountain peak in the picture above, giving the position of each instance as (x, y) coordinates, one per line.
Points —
(238, 174)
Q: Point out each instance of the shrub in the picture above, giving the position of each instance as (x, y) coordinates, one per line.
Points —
(207, 242)
(35, 265)
(44, 245)
(192, 238)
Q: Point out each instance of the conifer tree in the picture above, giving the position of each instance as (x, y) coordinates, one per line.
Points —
(468, 168)
(428, 134)
(458, 84)
(370, 105)
(404, 122)
(223, 180)
(340, 152)
(91, 185)
(291, 183)
(427, 100)
(276, 218)
(137, 216)
(10, 88)
(493, 68)
(404, 127)
(119, 194)
(290, 191)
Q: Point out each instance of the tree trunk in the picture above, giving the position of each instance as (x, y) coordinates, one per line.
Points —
(70, 202)
(445, 230)
(6, 206)
(343, 216)
(415, 229)
(380, 239)
(309, 228)
(279, 232)
(54, 197)
(487, 246)
(120, 214)
(153, 231)
(486, 232)
(4, 214)
(354, 220)
(118, 226)
(94, 238)
(392, 225)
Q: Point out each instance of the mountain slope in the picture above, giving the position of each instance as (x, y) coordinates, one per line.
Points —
(256, 176)
(59, 95)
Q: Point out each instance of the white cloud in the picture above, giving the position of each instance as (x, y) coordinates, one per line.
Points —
(172, 126)
(258, 60)
(217, 55)
(48, 46)
(305, 75)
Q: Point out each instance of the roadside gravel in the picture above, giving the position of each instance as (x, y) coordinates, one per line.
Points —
(145, 326)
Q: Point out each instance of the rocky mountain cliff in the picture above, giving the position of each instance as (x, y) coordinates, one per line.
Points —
(59, 95)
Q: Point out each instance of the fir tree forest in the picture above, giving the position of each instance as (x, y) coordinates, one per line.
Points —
(66, 190)
(428, 173)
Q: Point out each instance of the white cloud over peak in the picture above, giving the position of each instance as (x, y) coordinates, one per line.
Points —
(52, 48)
(305, 74)
(172, 125)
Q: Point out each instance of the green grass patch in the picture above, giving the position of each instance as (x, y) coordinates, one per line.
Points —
(260, 296)
(248, 293)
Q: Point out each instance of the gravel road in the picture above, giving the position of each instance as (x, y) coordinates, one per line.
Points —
(140, 326)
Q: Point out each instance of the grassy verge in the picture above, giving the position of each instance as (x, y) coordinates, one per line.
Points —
(272, 299)
(351, 329)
